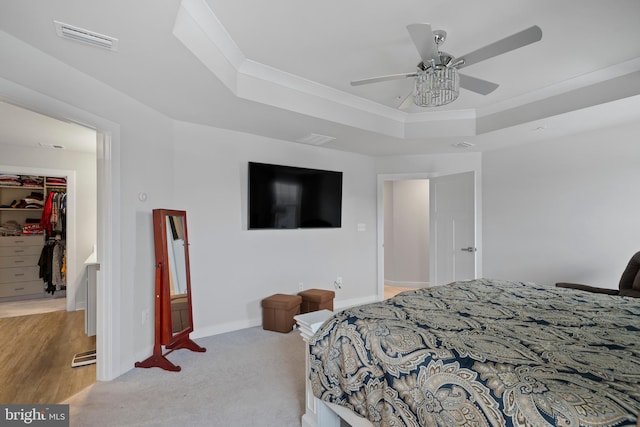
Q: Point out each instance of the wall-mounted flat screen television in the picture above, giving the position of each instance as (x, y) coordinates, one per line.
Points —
(293, 197)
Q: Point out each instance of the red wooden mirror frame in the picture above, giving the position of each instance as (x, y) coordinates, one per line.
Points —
(165, 336)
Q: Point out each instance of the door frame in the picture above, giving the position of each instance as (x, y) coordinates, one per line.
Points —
(108, 321)
(424, 175)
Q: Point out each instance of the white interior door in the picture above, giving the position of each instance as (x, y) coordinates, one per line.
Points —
(452, 228)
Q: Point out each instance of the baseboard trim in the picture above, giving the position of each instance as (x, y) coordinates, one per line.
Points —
(343, 304)
(407, 284)
(225, 327)
(237, 325)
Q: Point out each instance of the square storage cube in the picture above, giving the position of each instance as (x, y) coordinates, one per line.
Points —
(316, 299)
(278, 311)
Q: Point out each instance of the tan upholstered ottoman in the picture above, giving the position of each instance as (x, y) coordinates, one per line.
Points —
(278, 311)
(316, 299)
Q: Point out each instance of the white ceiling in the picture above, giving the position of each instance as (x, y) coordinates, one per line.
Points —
(282, 68)
(19, 126)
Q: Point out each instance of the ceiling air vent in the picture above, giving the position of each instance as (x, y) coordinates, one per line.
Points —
(463, 144)
(67, 31)
(315, 139)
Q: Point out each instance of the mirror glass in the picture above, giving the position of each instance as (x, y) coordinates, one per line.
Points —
(177, 265)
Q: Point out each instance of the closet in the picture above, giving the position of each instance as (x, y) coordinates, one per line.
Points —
(32, 236)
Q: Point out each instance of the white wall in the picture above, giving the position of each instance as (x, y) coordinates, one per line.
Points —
(563, 210)
(203, 171)
(142, 162)
(29, 160)
(233, 268)
(406, 232)
(434, 164)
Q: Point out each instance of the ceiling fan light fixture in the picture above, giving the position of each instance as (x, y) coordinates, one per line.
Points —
(437, 85)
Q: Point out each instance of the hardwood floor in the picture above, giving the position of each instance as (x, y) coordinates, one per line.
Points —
(36, 355)
(390, 291)
(32, 306)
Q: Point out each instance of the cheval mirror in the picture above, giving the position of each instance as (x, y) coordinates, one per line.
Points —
(173, 316)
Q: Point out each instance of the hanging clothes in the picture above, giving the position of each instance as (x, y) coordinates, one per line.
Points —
(58, 264)
(54, 213)
(45, 219)
(52, 265)
(45, 261)
(53, 261)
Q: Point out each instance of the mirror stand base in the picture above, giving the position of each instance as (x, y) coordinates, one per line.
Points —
(158, 361)
(188, 344)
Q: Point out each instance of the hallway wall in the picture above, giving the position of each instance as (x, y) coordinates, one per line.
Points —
(406, 232)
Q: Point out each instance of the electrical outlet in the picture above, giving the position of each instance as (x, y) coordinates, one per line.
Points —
(300, 286)
(338, 283)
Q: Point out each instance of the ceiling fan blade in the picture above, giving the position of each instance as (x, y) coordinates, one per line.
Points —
(474, 84)
(425, 41)
(382, 79)
(514, 41)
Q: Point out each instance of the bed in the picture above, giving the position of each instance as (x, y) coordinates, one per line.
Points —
(480, 353)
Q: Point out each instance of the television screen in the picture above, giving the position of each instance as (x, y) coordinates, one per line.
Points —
(293, 197)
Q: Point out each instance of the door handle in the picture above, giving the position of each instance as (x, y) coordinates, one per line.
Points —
(469, 249)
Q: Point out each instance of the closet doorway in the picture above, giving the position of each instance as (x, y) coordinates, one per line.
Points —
(41, 145)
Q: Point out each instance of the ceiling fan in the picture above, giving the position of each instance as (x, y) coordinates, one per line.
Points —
(437, 81)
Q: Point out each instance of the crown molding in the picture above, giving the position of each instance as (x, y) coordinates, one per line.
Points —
(201, 32)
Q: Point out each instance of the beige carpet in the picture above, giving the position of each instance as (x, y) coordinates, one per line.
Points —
(246, 378)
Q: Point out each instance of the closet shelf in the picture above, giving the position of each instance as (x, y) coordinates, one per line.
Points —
(22, 209)
(22, 187)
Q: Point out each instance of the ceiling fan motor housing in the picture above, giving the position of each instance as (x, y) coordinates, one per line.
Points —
(443, 58)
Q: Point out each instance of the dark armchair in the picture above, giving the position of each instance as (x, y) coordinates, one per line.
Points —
(629, 282)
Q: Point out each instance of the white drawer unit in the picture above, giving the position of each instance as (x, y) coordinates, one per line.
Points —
(19, 270)
(8, 251)
(19, 289)
(19, 261)
(19, 274)
(21, 241)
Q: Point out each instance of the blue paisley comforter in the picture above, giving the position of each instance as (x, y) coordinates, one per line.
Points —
(484, 353)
